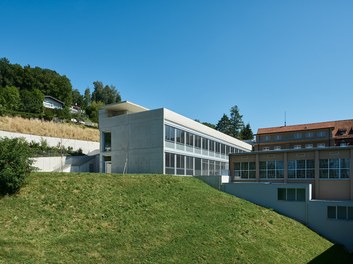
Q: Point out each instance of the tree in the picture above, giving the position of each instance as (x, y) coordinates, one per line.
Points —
(86, 98)
(32, 101)
(97, 94)
(93, 110)
(236, 120)
(77, 98)
(106, 94)
(9, 98)
(224, 125)
(15, 164)
(246, 133)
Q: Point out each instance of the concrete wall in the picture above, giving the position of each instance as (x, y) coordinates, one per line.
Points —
(86, 146)
(67, 164)
(313, 213)
(135, 138)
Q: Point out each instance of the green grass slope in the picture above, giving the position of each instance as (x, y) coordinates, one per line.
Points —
(96, 218)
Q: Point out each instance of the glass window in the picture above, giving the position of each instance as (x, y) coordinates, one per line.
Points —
(107, 141)
(331, 212)
(218, 147)
(281, 194)
(350, 213)
(169, 163)
(180, 136)
(189, 139)
(205, 143)
(211, 145)
(180, 164)
(169, 133)
(290, 194)
(223, 149)
(301, 195)
(197, 141)
(342, 212)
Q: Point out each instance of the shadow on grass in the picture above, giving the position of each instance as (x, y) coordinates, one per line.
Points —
(335, 254)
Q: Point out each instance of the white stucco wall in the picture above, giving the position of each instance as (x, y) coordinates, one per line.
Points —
(86, 146)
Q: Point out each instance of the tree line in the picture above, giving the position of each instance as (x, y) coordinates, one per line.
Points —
(233, 125)
(23, 89)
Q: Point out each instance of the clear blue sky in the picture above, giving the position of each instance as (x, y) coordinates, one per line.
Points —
(197, 58)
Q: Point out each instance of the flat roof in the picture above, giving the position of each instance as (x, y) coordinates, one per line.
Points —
(126, 106)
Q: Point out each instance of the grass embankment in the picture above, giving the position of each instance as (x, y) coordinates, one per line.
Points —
(49, 129)
(96, 218)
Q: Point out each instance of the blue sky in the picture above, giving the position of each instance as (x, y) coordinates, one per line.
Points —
(197, 58)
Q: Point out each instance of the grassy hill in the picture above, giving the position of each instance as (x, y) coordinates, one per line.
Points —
(97, 218)
(49, 129)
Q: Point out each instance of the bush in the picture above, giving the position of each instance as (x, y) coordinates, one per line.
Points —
(15, 164)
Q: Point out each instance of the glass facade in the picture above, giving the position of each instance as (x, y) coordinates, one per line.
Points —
(271, 169)
(301, 169)
(334, 168)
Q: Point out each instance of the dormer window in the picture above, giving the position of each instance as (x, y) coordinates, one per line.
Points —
(341, 132)
(351, 131)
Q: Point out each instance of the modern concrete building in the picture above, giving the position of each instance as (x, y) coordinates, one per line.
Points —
(138, 140)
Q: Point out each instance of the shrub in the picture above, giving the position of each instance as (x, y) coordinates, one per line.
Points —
(15, 164)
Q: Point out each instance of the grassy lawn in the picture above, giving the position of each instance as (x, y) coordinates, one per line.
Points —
(97, 218)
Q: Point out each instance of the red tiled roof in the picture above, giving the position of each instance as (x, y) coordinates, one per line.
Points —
(335, 125)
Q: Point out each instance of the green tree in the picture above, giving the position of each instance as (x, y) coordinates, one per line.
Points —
(224, 125)
(9, 98)
(111, 95)
(32, 101)
(236, 120)
(86, 98)
(246, 133)
(97, 94)
(93, 110)
(15, 164)
(77, 98)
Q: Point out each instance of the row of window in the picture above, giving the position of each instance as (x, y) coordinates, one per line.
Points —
(182, 137)
(297, 135)
(318, 145)
(291, 194)
(340, 212)
(297, 169)
(186, 165)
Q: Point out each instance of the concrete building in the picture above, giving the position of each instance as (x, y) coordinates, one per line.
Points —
(138, 140)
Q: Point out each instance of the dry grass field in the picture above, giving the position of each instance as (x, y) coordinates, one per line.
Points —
(50, 129)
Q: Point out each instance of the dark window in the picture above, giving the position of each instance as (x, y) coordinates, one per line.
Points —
(301, 195)
(180, 136)
(331, 212)
(281, 194)
(169, 133)
(342, 212)
(350, 213)
(291, 194)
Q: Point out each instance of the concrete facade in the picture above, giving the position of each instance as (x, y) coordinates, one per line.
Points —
(331, 219)
(137, 140)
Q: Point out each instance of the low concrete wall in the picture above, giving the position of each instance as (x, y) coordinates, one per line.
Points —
(67, 164)
(47, 164)
(86, 146)
(214, 181)
(313, 213)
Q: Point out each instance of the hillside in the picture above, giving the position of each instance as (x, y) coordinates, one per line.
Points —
(97, 218)
(49, 129)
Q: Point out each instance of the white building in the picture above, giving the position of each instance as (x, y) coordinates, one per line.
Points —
(138, 140)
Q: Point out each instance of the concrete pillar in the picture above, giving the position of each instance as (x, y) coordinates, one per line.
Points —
(317, 175)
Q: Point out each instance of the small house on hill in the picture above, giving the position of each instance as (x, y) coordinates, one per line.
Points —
(52, 103)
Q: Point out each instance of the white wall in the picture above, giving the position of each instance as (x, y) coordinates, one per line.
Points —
(86, 146)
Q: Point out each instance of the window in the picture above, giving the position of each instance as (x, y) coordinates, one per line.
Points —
(267, 138)
(334, 168)
(245, 170)
(340, 212)
(278, 137)
(107, 141)
(169, 133)
(205, 143)
(189, 139)
(309, 146)
(223, 149)
(180, 136)
(297, 146)
(169, 163)
(180, 164)
(291, 194)
(341, 132)
(297, 135)
(271, 169)
(189, 165)
(277, 148)
(266, 148)
(320, 145)
(218, 147)
(322, 134)
(211, 145)
(205, 167)
(301, 169)
(309, 134)
(197, 142)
